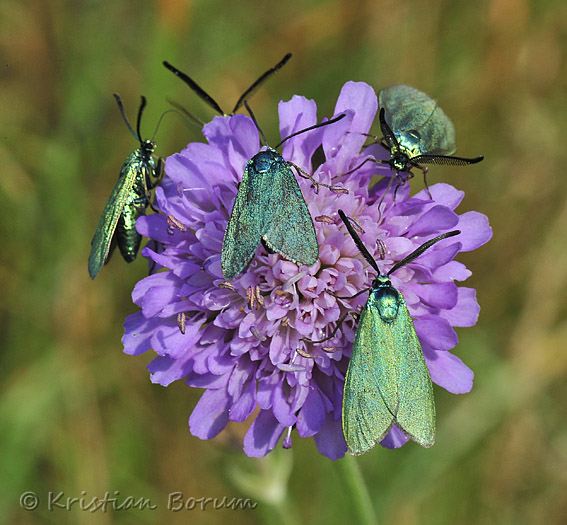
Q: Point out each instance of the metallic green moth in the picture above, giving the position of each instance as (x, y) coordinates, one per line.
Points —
(416, 130)
(387, 381)
(270, 208)
(128, 201)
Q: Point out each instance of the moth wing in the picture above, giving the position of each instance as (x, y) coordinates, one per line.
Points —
(408, 109)
(367, 396)
(438, 134)
(416, 412)
(100, 245)
(246, 224)
(290, 230)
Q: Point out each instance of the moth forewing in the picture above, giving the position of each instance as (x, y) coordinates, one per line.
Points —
(366, 418)
(416, 410)
(100, 244)
(247, 222)
(290, 229)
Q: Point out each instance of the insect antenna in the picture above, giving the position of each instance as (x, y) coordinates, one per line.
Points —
(256, 123)
(391, 139)
(195, 120)
(121, 108)
(359, 244)
(447, 160)
(332, 121)
(139, 119)
(200, 92)
(183, 113)
(252, 89)
(421, 249)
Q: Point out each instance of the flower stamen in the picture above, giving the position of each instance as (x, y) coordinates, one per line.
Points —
(181, 317)
(325, 218)
(226, 285)
(174, 224)
(292, 280)
(381, 249)
(256, 333)
(254, 298)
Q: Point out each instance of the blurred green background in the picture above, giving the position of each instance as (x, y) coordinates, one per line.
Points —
(78, 416)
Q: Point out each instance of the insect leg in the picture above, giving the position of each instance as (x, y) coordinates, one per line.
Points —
(302, 173)
(350, 296)
(150, 185)
(424, 170)
(338, 325)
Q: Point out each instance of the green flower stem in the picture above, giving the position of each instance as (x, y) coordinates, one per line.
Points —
(361, 502)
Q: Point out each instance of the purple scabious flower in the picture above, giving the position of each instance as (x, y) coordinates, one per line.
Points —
(243, 341)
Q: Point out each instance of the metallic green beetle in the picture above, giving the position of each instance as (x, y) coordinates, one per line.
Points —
(128, 200)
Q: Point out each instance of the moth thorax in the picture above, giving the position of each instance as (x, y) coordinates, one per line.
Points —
(385, 298)
(263, 161)
(410, 142)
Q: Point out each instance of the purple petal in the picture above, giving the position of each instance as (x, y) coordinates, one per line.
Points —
(195, 186)
(137, 334)
(395, 438)
(240, 375)
(438, 295)
(245, 404)
(330, 440)
(466, 311)
(237, 134)
(297, 114)
(448, 371)
(312, 415)
(361, 98)
(441, 255)
(168, 340)
(452, 271)
(164, 370)
(263, 435)
(210, 415)
(165, 279)
(436, 332)
(281, 408)
(475, 230)
(358, 100)
(265, 393)
(154, 226)
(438, 218)
(157, 298)
(206, 380)
(443, 194)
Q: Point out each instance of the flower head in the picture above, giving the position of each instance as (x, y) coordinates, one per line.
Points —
(244, 342)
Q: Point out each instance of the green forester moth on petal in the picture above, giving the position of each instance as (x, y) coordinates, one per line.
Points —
(387, 381)
(416, 130)
(270, 208)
